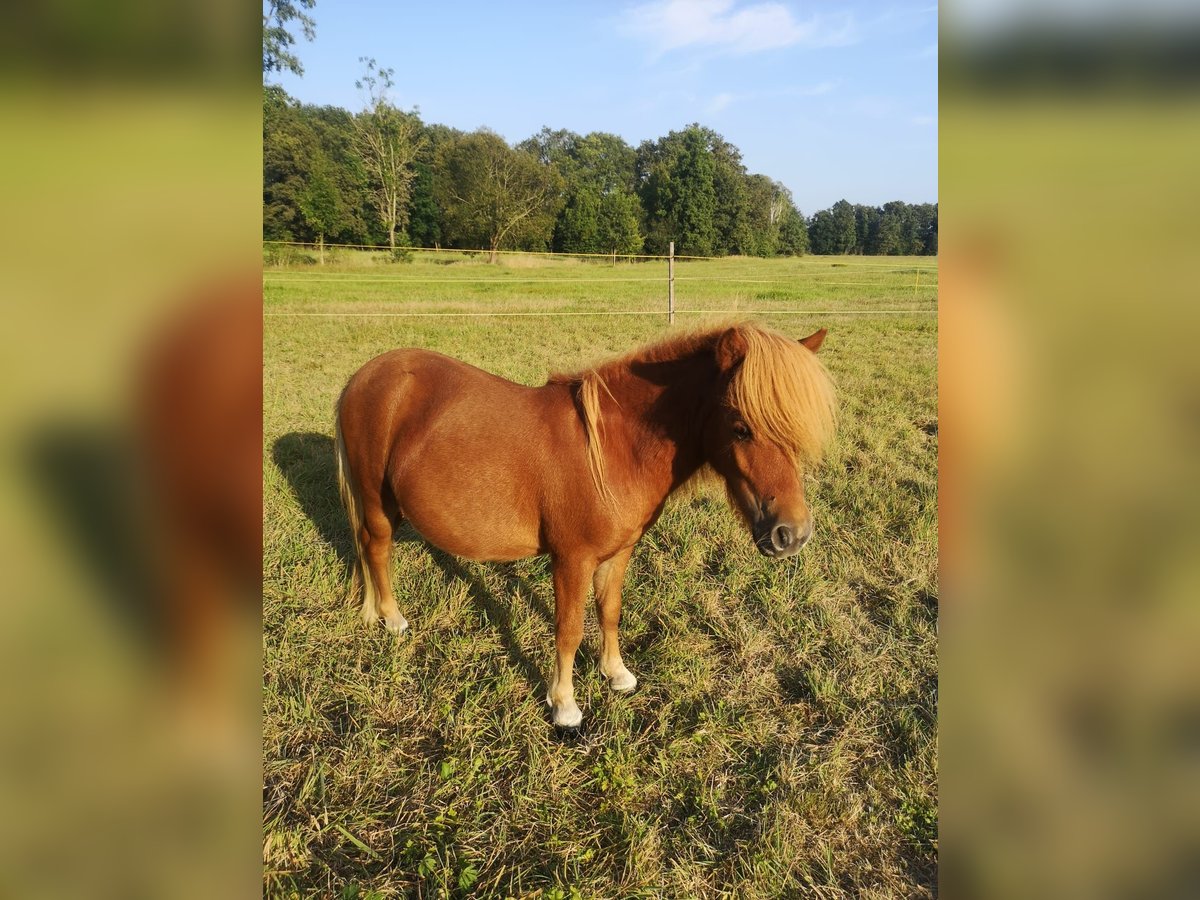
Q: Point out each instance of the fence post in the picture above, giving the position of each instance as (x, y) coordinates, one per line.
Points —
(671, 285)
(917, 283)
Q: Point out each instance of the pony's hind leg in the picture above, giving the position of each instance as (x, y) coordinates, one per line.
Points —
(378, 601)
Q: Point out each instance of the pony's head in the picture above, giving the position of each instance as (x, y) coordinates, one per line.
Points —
(775, 415)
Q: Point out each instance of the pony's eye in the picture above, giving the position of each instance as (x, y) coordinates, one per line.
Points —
(740, 431)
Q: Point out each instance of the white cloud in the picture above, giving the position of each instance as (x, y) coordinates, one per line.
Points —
(716, 24)
(719, 102)
(725, 99)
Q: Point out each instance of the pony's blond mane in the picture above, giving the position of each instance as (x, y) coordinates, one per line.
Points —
(590, 385)
(780, 389)
(784, 394)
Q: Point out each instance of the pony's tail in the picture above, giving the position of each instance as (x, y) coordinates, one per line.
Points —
(352, 503)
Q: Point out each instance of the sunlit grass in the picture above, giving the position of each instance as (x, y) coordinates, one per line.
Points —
(366, 282)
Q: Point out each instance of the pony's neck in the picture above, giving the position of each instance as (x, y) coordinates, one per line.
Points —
(663, 401)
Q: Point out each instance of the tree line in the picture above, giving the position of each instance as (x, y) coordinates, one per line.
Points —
(384, 177)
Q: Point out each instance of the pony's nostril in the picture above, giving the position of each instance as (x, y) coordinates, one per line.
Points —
(781, 537)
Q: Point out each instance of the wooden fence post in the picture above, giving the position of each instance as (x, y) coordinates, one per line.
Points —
(671, 285)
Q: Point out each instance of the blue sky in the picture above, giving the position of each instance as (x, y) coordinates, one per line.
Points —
(834, 99)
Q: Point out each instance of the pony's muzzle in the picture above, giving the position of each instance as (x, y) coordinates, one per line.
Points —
(783, 538)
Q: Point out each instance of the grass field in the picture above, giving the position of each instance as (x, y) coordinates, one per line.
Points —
(783, 737)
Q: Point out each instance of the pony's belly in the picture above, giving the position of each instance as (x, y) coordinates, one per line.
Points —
(488, 533)
(467, 472)
(478, 547)
(481, 547)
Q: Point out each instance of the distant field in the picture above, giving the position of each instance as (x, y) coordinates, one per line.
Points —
(359, 282)
(783, 737)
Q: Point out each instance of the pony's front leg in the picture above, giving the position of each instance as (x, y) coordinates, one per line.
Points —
(571, 578)
(607, 583)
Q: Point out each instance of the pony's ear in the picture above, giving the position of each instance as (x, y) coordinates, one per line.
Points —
(814, 341)
(731, 350)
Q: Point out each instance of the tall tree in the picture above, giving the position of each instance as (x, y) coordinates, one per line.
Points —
(833, 230)
(731, 217)
(793, 233)
(677, 175)
(618, 228)
(388, 142)
(288, 145)
(605, 162)
(551, 147)
(767, 205)
(297, 140)
(600, 211)
(425, 216)
(910, 227)
(843, 222)
(278, 40)
(334, 128)
(892, 240)
(822, 237)
(929, 229)
(575, 227)
(866, 229)
(578, 226)
(321, 203)
(896, 229)
(496, 196)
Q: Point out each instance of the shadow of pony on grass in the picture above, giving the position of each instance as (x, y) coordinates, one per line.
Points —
(307, 461)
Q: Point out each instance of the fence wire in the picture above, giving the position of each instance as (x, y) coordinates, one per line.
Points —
(620, 312)
(551, 253)
(811, 277)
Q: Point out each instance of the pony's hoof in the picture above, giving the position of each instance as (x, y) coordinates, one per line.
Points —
(396, 624)
(568, 718)
(623, 682)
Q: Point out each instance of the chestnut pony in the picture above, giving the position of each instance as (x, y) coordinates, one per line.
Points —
(580, 467)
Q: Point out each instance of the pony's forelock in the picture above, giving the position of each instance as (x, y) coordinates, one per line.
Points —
(784, 394)
(780, 388)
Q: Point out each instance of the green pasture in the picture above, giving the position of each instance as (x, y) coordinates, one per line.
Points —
(782, 741)
(360, 282)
